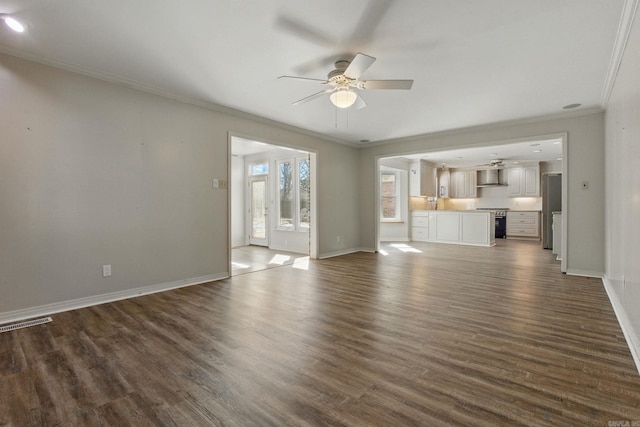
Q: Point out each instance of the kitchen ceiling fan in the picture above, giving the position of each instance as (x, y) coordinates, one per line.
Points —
(497, 163)
(344, 83)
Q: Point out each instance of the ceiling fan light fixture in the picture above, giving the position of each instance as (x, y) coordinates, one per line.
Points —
(343, 98)
(13, 23)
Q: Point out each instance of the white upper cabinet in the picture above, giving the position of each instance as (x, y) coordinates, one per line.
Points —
(532, 181)
(524, 182)
(514, 179)
(422, 179)
(463, 184)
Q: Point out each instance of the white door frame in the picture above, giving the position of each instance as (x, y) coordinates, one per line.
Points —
(314, 229)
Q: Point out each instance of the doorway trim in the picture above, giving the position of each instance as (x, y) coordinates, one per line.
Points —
(313, 156)
(563, 136)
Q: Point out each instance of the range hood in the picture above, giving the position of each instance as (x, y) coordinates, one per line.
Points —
(491, 178)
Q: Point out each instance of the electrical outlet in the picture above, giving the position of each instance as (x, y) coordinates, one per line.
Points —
(216, 183)
(106, 270)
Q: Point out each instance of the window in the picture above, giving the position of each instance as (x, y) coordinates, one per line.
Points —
(304, 189)
(294, 189)
(389, 197)
(285, 179)
(260, 168)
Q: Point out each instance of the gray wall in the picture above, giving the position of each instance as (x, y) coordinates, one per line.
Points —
(95, 173)
(584, 162)
(622, 276)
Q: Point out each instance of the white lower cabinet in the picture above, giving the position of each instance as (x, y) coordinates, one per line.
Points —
(447, 227)
(420, 226)
(523, 224)
(457, 227)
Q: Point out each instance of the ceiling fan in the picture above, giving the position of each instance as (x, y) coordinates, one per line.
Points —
(496, 163)
(344, 83)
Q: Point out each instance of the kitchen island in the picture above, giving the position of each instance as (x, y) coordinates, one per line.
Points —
(474, 228)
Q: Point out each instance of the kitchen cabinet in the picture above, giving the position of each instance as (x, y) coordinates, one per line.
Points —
(444, 177)
(523, 182)
(462, 227)
(523, 225)
(463, 184)
(422, 179)
(420, 226)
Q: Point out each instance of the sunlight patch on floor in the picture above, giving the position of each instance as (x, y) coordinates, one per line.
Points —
(279, 259)
(301, 263)
(405, 248)
(238, 265)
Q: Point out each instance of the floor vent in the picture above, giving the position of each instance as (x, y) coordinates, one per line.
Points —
(26, 324)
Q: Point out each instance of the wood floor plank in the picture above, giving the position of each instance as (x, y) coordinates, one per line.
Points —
(437, 335)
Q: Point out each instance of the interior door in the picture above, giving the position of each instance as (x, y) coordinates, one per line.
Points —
(259, 211)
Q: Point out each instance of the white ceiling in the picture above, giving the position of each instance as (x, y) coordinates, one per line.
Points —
(473, 62)
(510, 154)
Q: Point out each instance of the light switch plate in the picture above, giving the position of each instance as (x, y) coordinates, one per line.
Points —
(106, 270)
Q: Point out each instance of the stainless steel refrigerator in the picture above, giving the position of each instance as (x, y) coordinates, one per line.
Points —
(551, 202)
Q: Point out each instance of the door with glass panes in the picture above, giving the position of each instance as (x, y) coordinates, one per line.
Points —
(259, 211)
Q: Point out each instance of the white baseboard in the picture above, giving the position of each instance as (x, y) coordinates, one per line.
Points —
(395, 239)
(584, 273)
(58, 307)
(633, 339)
(344, 252)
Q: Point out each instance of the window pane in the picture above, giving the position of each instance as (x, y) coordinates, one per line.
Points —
(388, 184)
(261, 169)
(305, 184)
(286, 193)
(258, 209)
(388, 207)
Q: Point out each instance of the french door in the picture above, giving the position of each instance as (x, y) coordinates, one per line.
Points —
(259, 211)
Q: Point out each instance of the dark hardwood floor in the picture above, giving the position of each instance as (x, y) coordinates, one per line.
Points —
(427, 334)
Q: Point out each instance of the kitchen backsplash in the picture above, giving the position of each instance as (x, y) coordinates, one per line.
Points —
(488, 198)
(512, 203)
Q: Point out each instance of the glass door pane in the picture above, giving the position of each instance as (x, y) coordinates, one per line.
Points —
(259, 223)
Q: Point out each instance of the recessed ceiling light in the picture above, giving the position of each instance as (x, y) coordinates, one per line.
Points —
(571, 106)
(534, 145)
(559, 158)
(13, 23)
(537, 151)
(516, 163)
(557, 142)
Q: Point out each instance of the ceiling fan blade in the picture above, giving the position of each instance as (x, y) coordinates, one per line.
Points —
(318, 64)
(385, 84)
(312, 97)
(303, 78)
(369, 21)
(304, 31)
(359, 104)
(359, 65)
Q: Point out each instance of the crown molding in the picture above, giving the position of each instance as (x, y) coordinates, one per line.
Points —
(487, 126)
(629, 10)
(143, 87)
